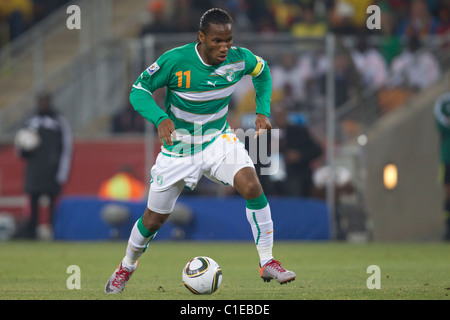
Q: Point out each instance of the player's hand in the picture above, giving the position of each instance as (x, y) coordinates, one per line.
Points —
(165, 130)
(262, 122)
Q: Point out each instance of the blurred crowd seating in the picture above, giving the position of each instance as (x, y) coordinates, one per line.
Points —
(394, 67)
(397, 64)
(304, 17)
(17, 16)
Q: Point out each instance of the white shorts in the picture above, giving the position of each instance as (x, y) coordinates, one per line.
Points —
(219, 162)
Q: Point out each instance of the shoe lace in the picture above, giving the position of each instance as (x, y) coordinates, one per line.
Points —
(121, 276)
(274, 264)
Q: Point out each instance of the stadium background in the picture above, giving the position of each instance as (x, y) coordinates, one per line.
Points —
(361, 128)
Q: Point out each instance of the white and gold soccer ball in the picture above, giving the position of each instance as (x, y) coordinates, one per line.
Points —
(202, 275)
(27, 139)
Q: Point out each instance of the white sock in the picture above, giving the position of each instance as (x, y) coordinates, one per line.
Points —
(137, 244)
(265, 254)
(262, 229)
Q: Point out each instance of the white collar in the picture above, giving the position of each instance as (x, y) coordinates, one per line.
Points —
(198, 54)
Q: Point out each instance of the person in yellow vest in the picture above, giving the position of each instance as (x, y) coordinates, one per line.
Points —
(307, 25)
(123, 186)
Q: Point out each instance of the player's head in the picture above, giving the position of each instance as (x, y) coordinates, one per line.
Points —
(214, 16)
(215, 35)
(44, 103)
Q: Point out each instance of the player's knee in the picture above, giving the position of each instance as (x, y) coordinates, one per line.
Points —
(246, 182)
(153, 221)
(251, 189)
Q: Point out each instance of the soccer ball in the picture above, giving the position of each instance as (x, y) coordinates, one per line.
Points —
(202, 275)
(27, 139)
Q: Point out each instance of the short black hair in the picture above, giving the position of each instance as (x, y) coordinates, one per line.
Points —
(214, 16)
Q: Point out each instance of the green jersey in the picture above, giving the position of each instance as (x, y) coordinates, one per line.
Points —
(198, 94)
(442, 117)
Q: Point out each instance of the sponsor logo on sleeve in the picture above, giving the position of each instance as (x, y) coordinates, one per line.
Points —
(153, 68)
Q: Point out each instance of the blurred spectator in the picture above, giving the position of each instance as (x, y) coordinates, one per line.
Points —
(416, 67)
(266, 25)
(344, 78)
(123, 186)
(290, 77)
(442, 118)
(359, 16)
(199, 5)
(259, 15)
(18, 16)
(401, 7)
(297, 150)
(443, 14)
(289, 81)
(343, 185)
(307, 24)
(419, 22)
(127, 121)
(158, 20)
(186, 12)
(42, 8)
(391, 45)
(285, 13)
(369, 63)
(174, 16)
(342, 182)
(287, 98)
(48, 164)
(341, 18)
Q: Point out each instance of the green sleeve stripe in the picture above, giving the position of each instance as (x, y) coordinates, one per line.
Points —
(257, 228)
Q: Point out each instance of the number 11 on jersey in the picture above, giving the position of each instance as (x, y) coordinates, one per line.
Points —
(180, 74)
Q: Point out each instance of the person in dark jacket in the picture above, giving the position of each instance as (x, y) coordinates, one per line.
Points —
(297, 149)
(441, 113)
(48, 163)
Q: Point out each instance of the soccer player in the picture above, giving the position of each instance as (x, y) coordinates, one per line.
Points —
(197, 140)
(442, 117)
(48, 165)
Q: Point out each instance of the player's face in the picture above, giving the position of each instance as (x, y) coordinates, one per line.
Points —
(215, 44)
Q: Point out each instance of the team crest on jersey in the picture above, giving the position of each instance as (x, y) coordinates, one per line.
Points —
(230, 74)
(153, 68)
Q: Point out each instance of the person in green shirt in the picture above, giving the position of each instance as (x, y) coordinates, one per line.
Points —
(442, 117)
(196, 139)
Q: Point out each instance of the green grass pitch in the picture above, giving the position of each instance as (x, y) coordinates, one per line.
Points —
(325, 271)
